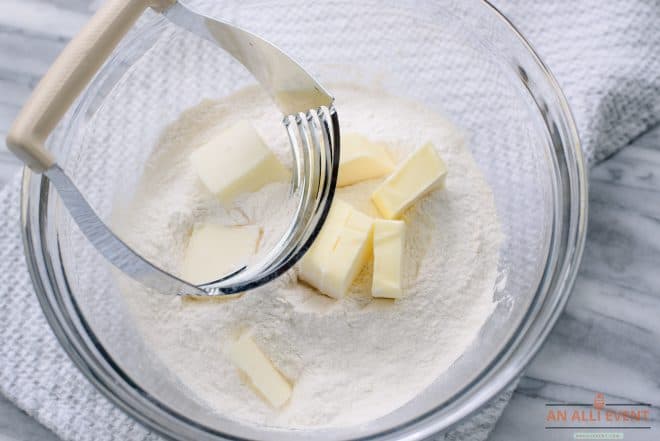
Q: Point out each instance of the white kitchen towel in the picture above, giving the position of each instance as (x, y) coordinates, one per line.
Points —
(605, 56)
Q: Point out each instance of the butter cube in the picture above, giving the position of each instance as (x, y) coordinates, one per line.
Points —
(339, 252)
(420, 173)
(361, 159)
(389, 237)
(216, 250)
(247, 357)
(350, 254)
(313, 263)
(237, 161)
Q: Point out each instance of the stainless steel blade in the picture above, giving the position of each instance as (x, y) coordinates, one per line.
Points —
(293, 89)
(116, 251)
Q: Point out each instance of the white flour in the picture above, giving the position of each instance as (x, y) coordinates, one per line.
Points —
(351, 360)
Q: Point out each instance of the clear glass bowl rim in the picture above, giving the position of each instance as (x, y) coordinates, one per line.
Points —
(91, 359)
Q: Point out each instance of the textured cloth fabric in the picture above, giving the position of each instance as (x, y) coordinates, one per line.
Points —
(604, 55)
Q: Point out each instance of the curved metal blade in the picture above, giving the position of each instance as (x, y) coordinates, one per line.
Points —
(292, 88)
(116, 251)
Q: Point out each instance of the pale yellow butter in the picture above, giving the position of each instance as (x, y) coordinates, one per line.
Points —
(237, 161)
(247, 357)
(420, 173)
(214, 251)
(389, 238)
(339, 252)
(362, 159)
(312, 265)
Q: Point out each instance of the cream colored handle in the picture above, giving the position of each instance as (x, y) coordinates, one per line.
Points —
(68, 76)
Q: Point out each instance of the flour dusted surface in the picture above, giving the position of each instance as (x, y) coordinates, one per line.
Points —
(350, 360)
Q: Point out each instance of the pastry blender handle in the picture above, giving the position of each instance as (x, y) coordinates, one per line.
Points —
(68, 76)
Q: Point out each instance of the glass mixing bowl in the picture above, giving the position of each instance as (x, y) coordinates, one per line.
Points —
(460, 58)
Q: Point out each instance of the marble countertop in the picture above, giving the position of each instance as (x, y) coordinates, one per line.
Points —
(607, 340)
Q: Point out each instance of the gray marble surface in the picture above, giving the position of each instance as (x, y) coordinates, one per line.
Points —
(608, 339)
